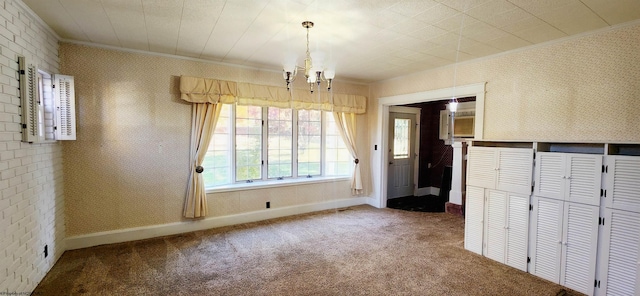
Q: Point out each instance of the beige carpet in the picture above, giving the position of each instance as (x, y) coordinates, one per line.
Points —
(354, 251)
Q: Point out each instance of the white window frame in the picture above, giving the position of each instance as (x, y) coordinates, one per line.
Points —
(264, 181)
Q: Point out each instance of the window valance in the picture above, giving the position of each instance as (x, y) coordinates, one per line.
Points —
(204, 90)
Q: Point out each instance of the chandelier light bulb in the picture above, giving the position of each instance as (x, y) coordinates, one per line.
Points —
(314, 66)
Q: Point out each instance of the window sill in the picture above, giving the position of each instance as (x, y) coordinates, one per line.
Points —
(275, 183)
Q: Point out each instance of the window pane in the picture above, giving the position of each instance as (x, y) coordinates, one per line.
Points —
(280, 126)
(309, 142)
(401, 138)
(248, 143)
(339, 161)
(217, 161)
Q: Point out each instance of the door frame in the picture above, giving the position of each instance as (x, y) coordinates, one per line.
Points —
(416, 146)
(381, 159)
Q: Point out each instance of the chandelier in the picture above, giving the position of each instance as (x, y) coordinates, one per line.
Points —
(313, 73)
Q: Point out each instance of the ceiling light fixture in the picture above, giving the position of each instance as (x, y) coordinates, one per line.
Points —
(313, 73)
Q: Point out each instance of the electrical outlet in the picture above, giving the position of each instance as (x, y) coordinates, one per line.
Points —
(268, 204)
(46, 251)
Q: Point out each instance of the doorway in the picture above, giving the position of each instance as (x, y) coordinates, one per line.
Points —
(382, 157)
(403, 129)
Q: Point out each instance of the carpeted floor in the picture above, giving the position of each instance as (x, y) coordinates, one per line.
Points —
(427, 203)
(354, 251)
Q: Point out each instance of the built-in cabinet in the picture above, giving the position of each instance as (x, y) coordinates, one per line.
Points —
(497, 203)
(570, 215)
(619, 257)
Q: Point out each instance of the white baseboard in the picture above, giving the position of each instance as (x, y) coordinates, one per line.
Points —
(428, 191)
(138, 233)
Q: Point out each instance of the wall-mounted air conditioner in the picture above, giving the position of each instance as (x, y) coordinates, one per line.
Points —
(463, 122)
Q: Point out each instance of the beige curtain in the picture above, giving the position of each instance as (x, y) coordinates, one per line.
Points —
(346, 123)
(206, 90)
(203, 123)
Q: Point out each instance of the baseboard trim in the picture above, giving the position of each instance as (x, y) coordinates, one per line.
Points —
(428, 191)
(138, 233)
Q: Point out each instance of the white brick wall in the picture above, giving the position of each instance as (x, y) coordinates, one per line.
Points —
(31, 196)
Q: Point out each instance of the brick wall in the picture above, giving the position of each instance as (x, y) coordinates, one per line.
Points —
(31, 196)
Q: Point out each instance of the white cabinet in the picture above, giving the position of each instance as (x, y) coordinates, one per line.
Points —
(620, 258)
(623, 183)
(474, 220)
(506, 169)
(569, 176)
(565, 242)
(496, 225)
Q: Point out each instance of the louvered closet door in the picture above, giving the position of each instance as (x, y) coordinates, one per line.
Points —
(550, 175)
(517, 231)
(481, 170)
(547, 244)
(580, 240)
(474, 216)
(515, 168)
(495, 226)
(620, 261)
(623, 183)
(584, 175)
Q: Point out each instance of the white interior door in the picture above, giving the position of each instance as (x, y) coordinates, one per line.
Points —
(402, 127)
(474, 220)
(580, 240)
(623, 183)
(517, 231)
(481, 167)
(550, 175)
(495, 226)
(546, 252)
(620, 260)
(583, 177)
(515, 170)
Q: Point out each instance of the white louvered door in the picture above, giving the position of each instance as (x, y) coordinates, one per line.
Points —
(583, 178)
(495, 226)
(620, 268)
(580, 242)
(517, 231)
(482, 166)
(474, 219)
(514, 170)
(550, 175)
(547, 245)
(623, 183)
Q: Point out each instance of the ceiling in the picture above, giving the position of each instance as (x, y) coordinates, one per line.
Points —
(368, 40)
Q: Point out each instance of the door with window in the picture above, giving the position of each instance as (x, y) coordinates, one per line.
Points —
(402, 131)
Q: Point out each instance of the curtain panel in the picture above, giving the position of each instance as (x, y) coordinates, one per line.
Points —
(346, 123)
(203, 123)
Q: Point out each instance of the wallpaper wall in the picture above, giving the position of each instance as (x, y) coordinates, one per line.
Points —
(582, 89)
(129, 165)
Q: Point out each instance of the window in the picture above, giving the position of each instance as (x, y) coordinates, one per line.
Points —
(309, 142)
(280, 142)
(48, 105)
(253, 143)
(339, 160)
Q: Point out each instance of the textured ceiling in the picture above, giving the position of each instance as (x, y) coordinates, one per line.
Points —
(368, 40)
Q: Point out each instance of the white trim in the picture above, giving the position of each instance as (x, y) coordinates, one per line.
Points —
(422, 191)
(145, 232)
(477, 90)
(259, 184)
